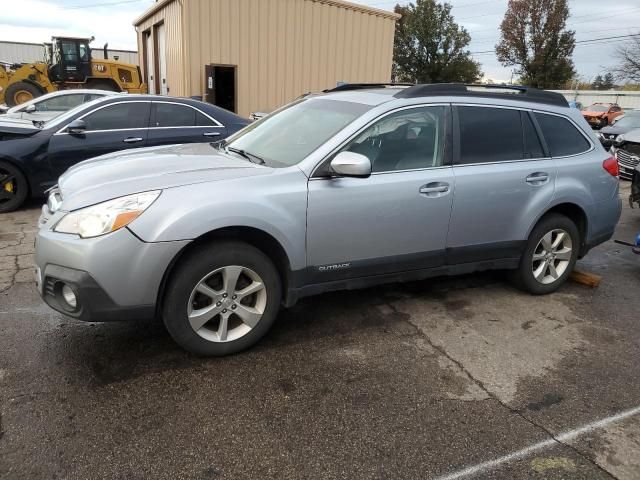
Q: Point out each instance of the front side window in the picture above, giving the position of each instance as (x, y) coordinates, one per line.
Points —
(118, 117)
(287, 137)
(562, 137)
(490, 135)
(404, 140)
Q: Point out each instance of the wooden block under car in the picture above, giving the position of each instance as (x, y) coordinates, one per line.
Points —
(585, 278)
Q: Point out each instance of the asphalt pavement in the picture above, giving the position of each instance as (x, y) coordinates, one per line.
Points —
(448, 378)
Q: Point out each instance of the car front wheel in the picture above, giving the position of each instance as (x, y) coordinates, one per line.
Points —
(222, 298)
(550, 255)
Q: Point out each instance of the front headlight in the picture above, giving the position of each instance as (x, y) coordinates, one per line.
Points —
(106, 217)
(620, 139)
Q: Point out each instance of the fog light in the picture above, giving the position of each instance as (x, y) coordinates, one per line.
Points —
(69, 296)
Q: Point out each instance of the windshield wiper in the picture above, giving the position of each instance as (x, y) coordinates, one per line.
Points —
(249, 156)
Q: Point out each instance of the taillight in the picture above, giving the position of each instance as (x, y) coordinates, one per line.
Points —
(611, 166)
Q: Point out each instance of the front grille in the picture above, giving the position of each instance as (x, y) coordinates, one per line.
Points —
(627, 159)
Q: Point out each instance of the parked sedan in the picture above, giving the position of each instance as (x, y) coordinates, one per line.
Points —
(53, 104)
(615, 132)
(34, 154)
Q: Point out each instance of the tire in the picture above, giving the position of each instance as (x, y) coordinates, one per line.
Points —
(14, 188)
(108, 86)
(548, 279)
(204, 270)
(21, 92)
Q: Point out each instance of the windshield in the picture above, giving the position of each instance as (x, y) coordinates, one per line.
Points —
(286, 137)
(597, 108)
(628, 121)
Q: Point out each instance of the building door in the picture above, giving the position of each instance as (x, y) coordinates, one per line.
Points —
(162, 59)
(220, 86)
(148, 59)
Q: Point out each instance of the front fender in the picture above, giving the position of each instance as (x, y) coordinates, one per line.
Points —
(276, 205)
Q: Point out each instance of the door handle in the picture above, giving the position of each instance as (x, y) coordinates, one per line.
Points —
(211, 134)
(132, 140)
(538, 178)
(434, 189)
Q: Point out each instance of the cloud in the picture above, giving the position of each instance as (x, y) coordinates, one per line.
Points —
(108, 24)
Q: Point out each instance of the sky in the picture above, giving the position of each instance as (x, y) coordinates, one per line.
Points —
(111, 21)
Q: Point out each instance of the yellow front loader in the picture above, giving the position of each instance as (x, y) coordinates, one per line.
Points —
(68, 64)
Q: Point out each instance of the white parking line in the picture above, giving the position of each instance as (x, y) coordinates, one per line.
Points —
(562, 437)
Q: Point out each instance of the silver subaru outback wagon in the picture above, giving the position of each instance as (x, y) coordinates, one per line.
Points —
(349, 188)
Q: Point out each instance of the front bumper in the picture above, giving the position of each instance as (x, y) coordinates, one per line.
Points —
(114, 277)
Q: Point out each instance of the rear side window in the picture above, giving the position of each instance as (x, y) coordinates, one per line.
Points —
(173, 115)
(562, 137)
(120, 116)
(203, 121)
(490, 135)
(532, 145)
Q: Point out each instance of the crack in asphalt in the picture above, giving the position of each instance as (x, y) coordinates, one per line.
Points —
(491, 395)
(22, 236)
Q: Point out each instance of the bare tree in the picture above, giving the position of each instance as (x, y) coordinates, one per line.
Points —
(536, 41)
(629, 57)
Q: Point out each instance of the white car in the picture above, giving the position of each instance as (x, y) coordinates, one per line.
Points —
(53, 104)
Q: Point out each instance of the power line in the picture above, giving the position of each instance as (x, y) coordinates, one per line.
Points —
(614, 39)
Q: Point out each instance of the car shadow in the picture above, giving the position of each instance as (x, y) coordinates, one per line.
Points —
(96, 355)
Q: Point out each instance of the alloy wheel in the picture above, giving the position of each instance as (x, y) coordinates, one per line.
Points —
(227, 303)
(552, 256)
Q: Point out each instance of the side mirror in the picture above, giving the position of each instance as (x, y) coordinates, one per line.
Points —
(31, 108)
(77, 127)
(350, 164)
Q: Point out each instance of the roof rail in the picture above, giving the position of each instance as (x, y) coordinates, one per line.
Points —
(362, 86)
(528, 94)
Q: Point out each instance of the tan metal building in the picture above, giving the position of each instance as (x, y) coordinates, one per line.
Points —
(256, 55)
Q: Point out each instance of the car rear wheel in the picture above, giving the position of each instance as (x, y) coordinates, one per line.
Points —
(550, 255)
(13, 188)
(222, 298)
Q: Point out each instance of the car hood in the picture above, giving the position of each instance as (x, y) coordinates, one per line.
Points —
(587, 113)
(632, 136)
(17, 126)
(613, 130)
(155, 168)
(41, 116)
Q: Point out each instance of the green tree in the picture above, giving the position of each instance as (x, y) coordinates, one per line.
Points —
(608, 82)
(535, 39)
(430, 47)
(598, 83)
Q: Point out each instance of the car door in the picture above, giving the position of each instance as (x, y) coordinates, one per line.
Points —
(504, 179)
(395, 220)
(173, 122)
(111, 127)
